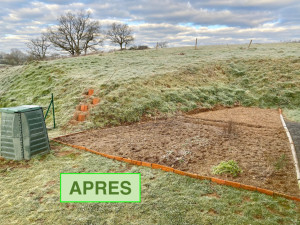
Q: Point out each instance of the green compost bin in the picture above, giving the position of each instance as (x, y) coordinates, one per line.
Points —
(23, 132)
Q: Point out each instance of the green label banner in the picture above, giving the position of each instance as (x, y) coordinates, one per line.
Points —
(100, 187)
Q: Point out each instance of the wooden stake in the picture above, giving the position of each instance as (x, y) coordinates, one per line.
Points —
(196, 43)
(249, 44)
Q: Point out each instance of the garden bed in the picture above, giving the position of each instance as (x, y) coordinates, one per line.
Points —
(253, 137)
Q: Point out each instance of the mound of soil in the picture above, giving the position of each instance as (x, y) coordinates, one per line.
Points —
(195, 143)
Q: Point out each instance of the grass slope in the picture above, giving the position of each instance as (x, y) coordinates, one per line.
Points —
(136, 83)
(29, 194)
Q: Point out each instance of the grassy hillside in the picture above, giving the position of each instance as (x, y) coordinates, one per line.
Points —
(159, 82)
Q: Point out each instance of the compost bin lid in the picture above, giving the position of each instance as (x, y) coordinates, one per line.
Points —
(18, 109)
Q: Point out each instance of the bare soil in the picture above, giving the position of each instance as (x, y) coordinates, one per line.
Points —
(253, 137)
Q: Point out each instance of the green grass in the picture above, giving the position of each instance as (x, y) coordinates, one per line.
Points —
(30, 195)
(293, 115)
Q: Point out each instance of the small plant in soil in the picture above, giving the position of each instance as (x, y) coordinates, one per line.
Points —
(227, 167)
(280, 162)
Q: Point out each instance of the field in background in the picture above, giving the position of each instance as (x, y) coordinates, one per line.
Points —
(132, 84)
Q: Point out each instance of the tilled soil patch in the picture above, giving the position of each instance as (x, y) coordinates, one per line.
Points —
(198, 142)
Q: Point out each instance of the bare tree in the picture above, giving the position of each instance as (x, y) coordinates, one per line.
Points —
(162, 44)
(120, 34)
(76, 33)
(38, 47)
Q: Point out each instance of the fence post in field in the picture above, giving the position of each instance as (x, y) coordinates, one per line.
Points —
(196, 43)
(250, 44)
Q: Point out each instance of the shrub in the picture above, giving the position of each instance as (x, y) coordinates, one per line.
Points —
(140, 47)
(228, 167)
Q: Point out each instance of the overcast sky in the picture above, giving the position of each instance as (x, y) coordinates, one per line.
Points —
(177, 21)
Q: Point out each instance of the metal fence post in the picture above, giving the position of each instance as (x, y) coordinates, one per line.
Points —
(53, 110)
(52, 100)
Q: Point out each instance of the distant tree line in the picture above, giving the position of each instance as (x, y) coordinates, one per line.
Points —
(291, 41)
(15, 57)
